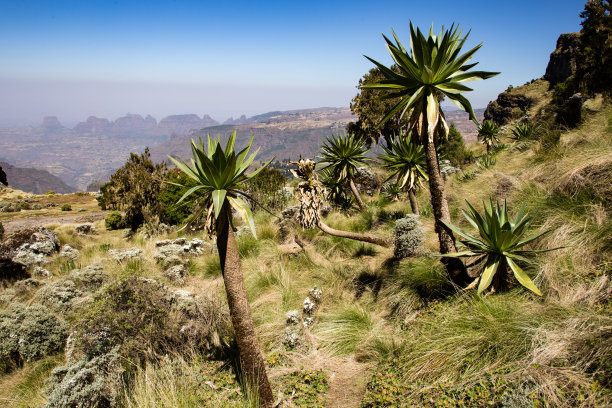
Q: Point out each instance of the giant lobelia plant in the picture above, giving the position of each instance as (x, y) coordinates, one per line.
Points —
(433, 68)
(407, 163)
(500, 245)
(219, 175)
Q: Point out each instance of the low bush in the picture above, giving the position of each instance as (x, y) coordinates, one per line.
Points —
(114, 221)
(409, 236)
(66, 207)
(29, 334)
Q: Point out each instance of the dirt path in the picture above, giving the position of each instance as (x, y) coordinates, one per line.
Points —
(347, 383)
(19, 223)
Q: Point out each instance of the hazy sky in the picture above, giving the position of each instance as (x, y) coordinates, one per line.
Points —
(78, 58)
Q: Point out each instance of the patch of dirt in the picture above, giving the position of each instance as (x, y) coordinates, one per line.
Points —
(20, 223)
(347, 383)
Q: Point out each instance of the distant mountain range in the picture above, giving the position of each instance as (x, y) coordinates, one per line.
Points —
(92, 150)
(33, 180)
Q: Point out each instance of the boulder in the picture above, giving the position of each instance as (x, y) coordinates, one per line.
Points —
(126, 255)
(366, 181)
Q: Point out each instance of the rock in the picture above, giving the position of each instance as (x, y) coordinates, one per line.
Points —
(570, 112)
(366, 181)
(292, 317)
(176, 274)
(130, 254)
(162, 243)
(86, 229)
(28, 258)
(564, 59)
(172, 260)
(409, 236)
(35, 240)
(447, 169)
(127, 233)
(508, 106)
(243, 230)
(69, 252)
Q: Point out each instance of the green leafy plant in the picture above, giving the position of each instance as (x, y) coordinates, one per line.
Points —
(114, 221)
(335, 190)
(66, 207)
(500, 245)
(525, 132)
(220, 175)
(407, 163)
(392, 191)
(486, 161)
(434, 68)
(344, 154)
(487, 132)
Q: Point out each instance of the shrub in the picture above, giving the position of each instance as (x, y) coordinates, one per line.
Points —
(453, 148)
(408, 235)
(145, 319)
(66, 207)
(28, 334)
(114, 221)
(89, 383)
(175, 214)
(37, 207)
(267, 189)
(49, 192)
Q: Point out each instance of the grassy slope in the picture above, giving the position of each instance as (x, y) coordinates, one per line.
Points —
(399, 326)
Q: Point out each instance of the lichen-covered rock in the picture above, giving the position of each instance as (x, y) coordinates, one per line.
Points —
(366, 181)
(86, 229)
(130, 254)
(308, 322)
(167, 251)
(89, 383)
(59, 295)
(409, 236)
(28, 247)
(69, 252)
(315, 294)
(29, 334)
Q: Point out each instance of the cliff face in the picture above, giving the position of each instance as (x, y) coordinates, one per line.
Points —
(507, 107)
(564, 59)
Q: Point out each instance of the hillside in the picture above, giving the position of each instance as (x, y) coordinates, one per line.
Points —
(287, 135)
(34, 180)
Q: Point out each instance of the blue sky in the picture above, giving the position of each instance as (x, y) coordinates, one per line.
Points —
(106, 58)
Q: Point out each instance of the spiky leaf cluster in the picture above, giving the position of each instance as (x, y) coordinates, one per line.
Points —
(487, 132)
(434, 66)
(500, 244)
(344, 154)
(407, 162)
(219, 175)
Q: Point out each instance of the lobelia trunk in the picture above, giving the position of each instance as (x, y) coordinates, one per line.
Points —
(455, 268)
(250, 357)
(352, 235)
(356, 194)
(414, 205)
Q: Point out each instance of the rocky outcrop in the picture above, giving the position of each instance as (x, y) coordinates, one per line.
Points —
(93, 125)
(506, 107)
(3, 178)
(182, 124)
(564, 59)
(51, 122)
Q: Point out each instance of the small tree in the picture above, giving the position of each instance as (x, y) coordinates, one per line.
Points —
(407, 162)
(220, 175)
(136, 187)
(487, 132)
(310, 194)
(434, 67)
(344, 153)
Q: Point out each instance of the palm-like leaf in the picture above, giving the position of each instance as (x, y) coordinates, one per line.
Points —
(407, 162)
(335, 190)
(487, 132)
(500, 243)
(220, 174)
(343, 153)
(524, 132)
(434, 66)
